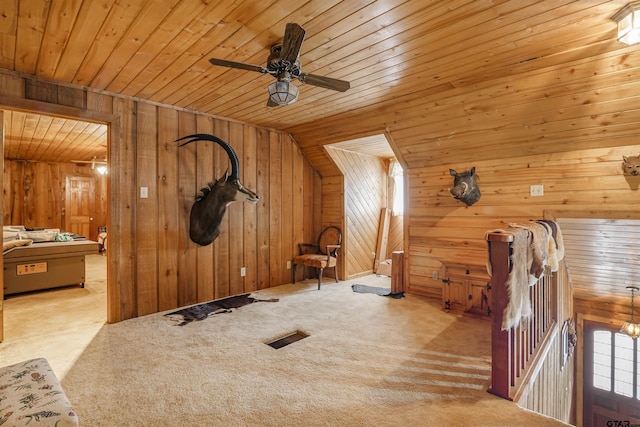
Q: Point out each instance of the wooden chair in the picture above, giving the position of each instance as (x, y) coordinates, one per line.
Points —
(321, 255)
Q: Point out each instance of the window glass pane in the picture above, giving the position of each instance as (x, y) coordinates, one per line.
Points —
(602, 360)
(623, 365)
(397, 175)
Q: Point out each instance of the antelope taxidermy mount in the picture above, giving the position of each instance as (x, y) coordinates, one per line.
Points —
(210, 206)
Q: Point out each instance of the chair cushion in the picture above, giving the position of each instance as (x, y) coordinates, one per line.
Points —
(313, 260)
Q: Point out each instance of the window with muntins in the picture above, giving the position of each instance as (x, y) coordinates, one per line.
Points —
(616, 359)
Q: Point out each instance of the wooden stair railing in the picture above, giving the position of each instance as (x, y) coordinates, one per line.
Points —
(518, 353)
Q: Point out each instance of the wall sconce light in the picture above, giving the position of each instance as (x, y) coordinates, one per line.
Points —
(628, 19)
(630, 327)
(283, 92)
(98, 166)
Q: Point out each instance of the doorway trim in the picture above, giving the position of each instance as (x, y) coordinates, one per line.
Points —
(113, 134)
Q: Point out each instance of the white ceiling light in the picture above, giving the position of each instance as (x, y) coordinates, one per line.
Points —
(628, 19)
(99, 166)
(283, 92)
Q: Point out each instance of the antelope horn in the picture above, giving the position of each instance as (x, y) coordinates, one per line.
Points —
(233, 157)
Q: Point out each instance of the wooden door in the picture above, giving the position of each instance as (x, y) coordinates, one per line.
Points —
(80, 206)
(610, 395)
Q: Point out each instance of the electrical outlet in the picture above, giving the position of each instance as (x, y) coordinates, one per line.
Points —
(536, 190)
(434, 275)
(243, 271)
(288, 265)
(144, 192)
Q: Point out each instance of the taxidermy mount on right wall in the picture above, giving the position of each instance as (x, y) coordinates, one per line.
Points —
(631, 170)
(465, 187)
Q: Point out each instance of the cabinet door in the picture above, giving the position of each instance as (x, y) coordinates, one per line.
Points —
(480, 301)
(455, 295)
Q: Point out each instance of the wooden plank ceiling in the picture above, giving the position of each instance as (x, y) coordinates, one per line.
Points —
(398, 55)
(391, 51)
(38, 137)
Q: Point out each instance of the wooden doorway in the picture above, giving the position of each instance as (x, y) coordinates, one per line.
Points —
(10, 105)
(373, 229)
(1, 210)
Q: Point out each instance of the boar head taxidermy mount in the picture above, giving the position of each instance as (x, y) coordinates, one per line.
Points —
(465, 188)
(631, 165)
(210, 206)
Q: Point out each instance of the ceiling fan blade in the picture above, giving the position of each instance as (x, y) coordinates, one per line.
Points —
(240, 65)
(325, 82)
(293, 38)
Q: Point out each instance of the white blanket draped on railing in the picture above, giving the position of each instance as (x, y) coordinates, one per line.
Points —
(536, 245)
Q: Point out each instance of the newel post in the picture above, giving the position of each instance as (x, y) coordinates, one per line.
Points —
(501, 362)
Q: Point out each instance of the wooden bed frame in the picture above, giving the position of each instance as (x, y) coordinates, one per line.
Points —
(46, 265)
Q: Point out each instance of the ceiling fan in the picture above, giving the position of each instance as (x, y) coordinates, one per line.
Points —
(284, 64)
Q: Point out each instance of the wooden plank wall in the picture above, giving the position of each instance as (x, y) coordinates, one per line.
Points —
(565, 126)
(34, 193)
(442, 229)
(365, 190)
(153, 266)
(333, 213)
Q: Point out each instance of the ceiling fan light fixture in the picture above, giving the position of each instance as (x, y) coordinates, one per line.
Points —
(283, 92)
(283, 63)
(628, 19)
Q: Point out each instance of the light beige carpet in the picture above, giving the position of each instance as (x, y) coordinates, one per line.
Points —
(56, 324)
(369, 360)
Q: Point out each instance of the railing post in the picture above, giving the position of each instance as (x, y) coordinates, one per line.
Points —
(500, 340)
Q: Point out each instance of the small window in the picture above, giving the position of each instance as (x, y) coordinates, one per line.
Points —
(397, 174)
(602, 360)
(623, 365)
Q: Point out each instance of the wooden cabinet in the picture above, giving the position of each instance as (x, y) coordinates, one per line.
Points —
(466, 289)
